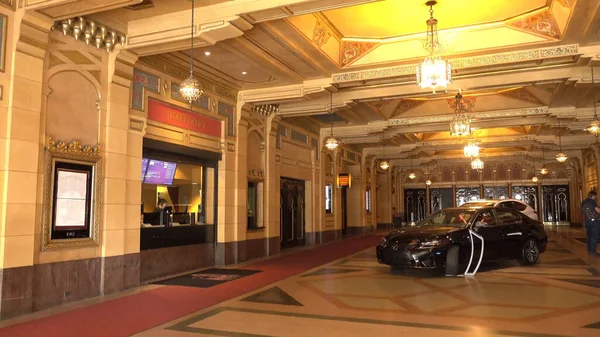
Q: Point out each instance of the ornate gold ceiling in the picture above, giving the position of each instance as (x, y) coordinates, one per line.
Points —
(393, 31)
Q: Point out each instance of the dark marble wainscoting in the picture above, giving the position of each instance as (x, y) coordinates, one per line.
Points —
(155, 263)
(274, 245)
(356, 231)
(384, 226)
(17, 291)
(120, 273)
(328, 236)
(63, 282)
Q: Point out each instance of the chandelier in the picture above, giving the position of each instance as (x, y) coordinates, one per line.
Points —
(471, 149)
(477, 164)
(433, 72)
(594, 126)
(561, 157)
(331, 143)
(191, 89)
(460, 125)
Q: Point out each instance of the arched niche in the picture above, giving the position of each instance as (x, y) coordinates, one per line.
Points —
(516, 171)
(447, 174)
(255, 151)
(460, 173)
(501, 172)
(71, 108)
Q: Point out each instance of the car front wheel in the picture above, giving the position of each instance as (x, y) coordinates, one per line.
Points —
(452, 261)
(530, 253)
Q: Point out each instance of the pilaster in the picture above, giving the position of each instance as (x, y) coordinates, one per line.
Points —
(20, 145)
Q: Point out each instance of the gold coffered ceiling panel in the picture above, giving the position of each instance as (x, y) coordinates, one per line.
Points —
(391, 31)
(394, 18)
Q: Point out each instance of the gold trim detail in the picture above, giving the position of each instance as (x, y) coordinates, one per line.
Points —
(71, 152)
(256, 175)
(468, 62)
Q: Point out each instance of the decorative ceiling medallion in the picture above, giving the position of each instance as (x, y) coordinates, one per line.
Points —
(540, 23)
(467, 102)
(321, 34)
(521, 94)
(352, 51)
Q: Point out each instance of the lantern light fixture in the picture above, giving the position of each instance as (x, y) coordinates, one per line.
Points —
(191, 89)
(433, 72)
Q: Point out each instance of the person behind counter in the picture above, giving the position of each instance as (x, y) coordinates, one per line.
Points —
(160, 206)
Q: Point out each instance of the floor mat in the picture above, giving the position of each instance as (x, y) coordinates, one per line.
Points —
(208, 278)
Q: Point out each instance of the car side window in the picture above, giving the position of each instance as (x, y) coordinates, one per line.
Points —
(520, 207)
(506, 204)
(509, 218)
(485, 218)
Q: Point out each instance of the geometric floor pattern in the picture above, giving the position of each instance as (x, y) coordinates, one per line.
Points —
(356, 296)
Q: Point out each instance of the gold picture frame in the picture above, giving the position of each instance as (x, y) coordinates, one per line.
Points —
(80, 161)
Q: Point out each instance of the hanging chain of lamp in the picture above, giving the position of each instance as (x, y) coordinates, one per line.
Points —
(594, 126)
(561, 157)
(412, 174)
(460, 125)
(534, 178)
(433, 72)
(331, 142)
(428, 181)
(543, 170)
(190, 88)
(384, 164)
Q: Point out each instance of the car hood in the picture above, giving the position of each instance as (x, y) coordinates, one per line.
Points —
(420, 233)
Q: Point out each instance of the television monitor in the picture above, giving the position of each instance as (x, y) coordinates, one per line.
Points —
(160, 172)
(144, 167)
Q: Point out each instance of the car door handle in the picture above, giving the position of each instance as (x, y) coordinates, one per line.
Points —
(514, 234)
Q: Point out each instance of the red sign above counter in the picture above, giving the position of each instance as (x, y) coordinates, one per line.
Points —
(175, 116)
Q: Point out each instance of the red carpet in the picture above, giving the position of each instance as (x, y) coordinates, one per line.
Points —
(136, 313)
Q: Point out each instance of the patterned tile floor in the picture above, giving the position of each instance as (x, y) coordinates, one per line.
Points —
(355, 296)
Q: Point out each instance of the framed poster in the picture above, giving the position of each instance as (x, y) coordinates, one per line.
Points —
(72, 195)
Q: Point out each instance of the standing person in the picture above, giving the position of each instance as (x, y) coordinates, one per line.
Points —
(591, 215)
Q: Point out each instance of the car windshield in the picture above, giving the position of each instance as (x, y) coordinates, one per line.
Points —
(479, 204)
(448, 218)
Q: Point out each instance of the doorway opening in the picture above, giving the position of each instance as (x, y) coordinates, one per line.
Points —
(292, 220)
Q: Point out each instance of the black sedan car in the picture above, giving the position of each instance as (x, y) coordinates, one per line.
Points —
(443, 240)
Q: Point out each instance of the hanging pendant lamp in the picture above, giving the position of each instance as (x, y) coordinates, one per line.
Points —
(384, 164)
(412, 174)
(543, 170)
(331, 143)
(433, 72)
(594, 126)
(190, 88)
(561, 157)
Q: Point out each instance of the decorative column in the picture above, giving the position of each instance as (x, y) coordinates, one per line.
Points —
(271, 190)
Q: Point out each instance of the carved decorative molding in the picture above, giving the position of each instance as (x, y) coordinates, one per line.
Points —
(256, 175)
(91, 32)
(476, 61)
(73, 148)
(484, 140)
(480, 115)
